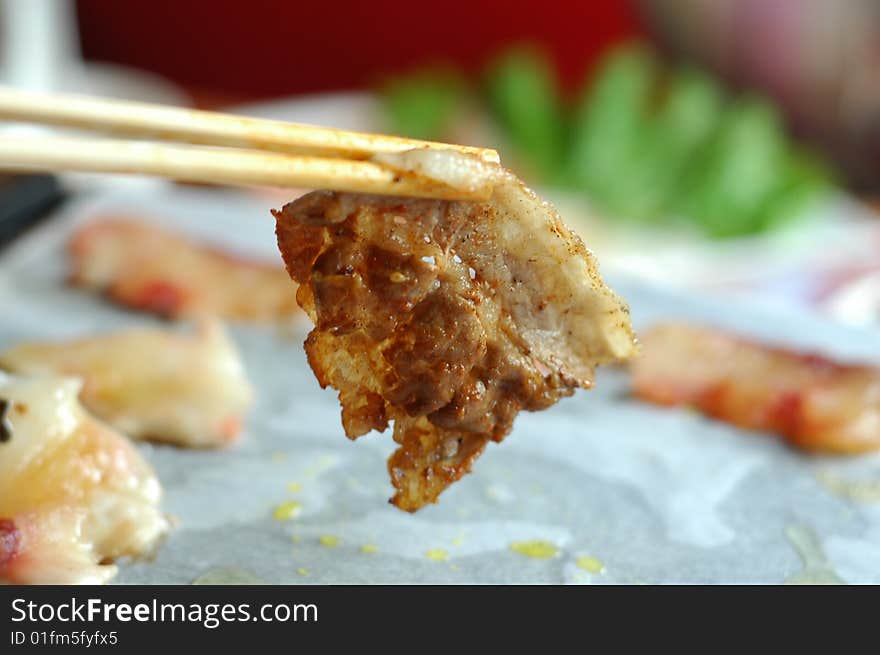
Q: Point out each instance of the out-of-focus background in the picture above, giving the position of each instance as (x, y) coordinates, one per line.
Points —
(730, 146)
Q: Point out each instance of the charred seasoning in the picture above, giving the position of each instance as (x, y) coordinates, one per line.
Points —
(5, 425)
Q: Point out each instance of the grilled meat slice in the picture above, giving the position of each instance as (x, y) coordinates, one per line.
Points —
(149, 269)
(447, 318)
(154, 384)
(75, 495)
(813, 402)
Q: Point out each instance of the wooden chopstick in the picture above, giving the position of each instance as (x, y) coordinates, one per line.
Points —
(136, 119)
(217, 166)
(243, 151)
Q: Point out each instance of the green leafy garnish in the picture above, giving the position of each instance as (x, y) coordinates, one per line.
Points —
(523, 94)
(424, 105)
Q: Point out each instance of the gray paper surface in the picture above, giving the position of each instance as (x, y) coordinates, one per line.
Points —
(613, 490)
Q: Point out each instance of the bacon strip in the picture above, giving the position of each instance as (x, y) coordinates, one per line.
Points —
(813, 402)
(153, 270)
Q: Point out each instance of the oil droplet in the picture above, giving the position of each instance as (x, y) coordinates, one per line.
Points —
(295, 538)
(591, 564)
(321, 464)
(287, 510)
(329, 540)
(302, 571)
(278, 458)
(863, 491)
(499, 493)
(227, 575)
(294, 487)
(457, 541)
(369, 548)
(436, 554)
(817, 569)
(536, 548)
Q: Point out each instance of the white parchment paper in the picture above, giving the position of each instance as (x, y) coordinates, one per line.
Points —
(626, 492)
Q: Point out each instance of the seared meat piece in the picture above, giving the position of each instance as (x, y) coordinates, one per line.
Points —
(446, 318)
(185, 389)
(75, 495)
(144, 267)
(813, 402)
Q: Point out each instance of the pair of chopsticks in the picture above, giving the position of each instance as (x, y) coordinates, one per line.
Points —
(228, 149)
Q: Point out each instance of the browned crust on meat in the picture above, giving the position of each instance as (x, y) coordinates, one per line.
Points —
(409, 300)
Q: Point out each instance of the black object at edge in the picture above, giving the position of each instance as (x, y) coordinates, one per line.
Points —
(24, 201)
